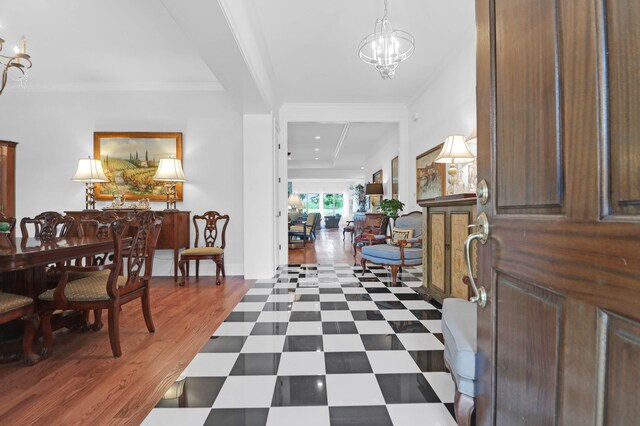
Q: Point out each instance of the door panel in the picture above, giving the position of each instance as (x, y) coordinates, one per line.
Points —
(558, 92)
(620, 369)
(459, 232)
(437, 248)
(529, 166)
(622, 32)
(528, 333)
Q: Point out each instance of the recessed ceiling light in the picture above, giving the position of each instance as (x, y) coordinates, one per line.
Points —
(361, 168)
(317, 137)
(317, 149)
(288, 158)
(316, 158)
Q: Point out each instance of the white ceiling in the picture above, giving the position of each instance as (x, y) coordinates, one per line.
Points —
(343, 148)
(313, 46)
(103, 44)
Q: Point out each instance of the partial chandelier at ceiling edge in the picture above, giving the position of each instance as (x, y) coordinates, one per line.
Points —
(385, 48)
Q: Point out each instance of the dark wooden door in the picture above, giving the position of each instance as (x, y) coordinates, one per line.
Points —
(559, 146)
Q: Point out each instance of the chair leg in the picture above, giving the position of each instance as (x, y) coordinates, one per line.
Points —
(343, 231)
(219, 266)
(114, 330)
(31, 323)
(463, 406)
(224, 274)
(97, 320)
(181, 266)
(363, 263)
(197, 269)
(146, 310)
(47, 335)
(394, 274)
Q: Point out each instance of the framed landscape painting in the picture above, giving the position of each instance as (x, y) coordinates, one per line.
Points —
(130, 160)
(394, 178)
(431, 179)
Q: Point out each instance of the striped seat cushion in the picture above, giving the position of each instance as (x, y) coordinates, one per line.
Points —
(10, 302)
(93, 287)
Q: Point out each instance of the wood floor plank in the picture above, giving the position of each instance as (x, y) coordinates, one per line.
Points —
(83, 384)
(327, 248)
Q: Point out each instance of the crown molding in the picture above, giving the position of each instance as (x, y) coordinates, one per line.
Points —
(212, 86)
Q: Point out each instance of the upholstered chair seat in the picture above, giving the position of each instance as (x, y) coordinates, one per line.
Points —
(90, 288)
(301, 228)
(9, 302)
(391, 253)
(203, 251)
(459, 329)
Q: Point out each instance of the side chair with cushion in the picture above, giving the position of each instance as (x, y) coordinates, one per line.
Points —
(214, 228)
(403, 248)
(365, 225)
(12, 307)
(459, 329)
(109, 291)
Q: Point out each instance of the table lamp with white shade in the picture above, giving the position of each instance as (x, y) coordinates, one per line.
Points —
(170, 172)
(90, 172)
(454, 151)
(472, 170)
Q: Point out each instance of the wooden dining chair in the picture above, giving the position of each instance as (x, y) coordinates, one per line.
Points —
(110, 291)
(214, 228)
(14, 306)
(47, 225)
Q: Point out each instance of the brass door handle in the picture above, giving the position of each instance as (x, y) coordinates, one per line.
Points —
(480, 294)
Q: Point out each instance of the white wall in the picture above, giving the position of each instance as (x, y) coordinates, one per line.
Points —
(54, 129)
(447, 106)
(259, 196)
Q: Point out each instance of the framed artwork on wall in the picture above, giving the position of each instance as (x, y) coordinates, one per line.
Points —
(431, 181)
(130, 160)
(394, 178)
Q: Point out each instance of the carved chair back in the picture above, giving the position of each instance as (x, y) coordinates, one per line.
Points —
(97, 224)
(373, 223)
(214, 228)
(10, 220)
(136, 259)
(47, 225)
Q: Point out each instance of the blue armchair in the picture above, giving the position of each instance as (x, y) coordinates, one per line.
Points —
(406, 252)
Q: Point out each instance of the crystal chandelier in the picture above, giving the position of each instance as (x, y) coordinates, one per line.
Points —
(386, 47)
(20, 61)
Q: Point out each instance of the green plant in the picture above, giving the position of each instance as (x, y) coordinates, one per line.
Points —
(391, 207)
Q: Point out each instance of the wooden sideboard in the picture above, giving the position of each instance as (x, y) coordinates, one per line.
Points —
(174, 235)
(446, 223)
(8, 178)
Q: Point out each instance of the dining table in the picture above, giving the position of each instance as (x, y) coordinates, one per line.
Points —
(23, 270)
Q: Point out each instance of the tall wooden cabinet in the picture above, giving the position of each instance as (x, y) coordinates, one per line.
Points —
(8, 178)
(446, 223)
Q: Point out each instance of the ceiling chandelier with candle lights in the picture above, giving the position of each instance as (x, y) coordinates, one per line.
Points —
(385, 48)
(19, 61)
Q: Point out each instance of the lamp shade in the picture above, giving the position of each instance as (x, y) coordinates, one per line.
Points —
(472, 142)
(89, 171)
(454, 150)
(170, 170)
(295, 202)
(374, 189)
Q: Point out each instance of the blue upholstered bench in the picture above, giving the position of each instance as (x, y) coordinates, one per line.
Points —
(459, 329)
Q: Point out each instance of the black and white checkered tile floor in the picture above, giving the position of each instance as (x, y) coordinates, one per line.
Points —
(319, 345)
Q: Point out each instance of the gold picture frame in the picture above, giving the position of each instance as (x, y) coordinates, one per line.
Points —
(130, 159)
(394, 177)
(431, 181)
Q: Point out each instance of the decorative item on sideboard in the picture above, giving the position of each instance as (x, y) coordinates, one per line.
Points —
(454, 152)
(170, 172)
(89, 172)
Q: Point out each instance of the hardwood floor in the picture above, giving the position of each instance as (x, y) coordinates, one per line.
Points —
(328, 248)
(83, 384)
